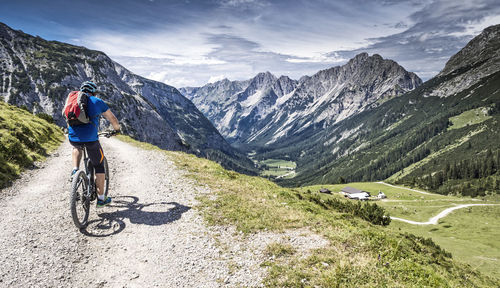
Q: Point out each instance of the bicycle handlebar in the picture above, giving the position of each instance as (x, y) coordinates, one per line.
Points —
(108, 134)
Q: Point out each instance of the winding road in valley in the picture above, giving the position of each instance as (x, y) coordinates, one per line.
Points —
(434, 220)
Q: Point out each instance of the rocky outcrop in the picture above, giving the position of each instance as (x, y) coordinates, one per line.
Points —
(478, 59)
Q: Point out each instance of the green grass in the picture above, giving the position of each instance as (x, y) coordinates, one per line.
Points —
(464, 232)
(277, 168)
(24, 138)
(359, 254)
(401, 202)
(396, 124)
(470, 234)
(279, 250)
(277, 163)
(469, 117)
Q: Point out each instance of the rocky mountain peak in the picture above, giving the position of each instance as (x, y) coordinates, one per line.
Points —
(483, 48)
(360, 57)
(5, 32)
(264, 78)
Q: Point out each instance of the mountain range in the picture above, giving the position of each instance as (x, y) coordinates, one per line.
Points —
(371, 120)
(264, 109)
(38, 74)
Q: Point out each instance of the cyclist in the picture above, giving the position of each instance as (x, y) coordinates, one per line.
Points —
(86, 136)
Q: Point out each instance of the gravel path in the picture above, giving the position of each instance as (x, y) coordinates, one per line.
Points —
(434, 220)
(149, 237)
(400, 187)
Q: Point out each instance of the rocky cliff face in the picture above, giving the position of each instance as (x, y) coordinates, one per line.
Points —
(478, 59)
(237, 108)
(39, 74)
(268, 108)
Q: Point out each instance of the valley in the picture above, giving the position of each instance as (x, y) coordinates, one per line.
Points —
(471, 234)
(276, 169)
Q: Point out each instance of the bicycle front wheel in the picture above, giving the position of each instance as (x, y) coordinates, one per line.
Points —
(79, 202)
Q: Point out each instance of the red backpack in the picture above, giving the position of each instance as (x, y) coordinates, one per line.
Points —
(76, 109)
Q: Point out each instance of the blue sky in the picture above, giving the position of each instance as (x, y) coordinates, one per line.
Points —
(190, 43)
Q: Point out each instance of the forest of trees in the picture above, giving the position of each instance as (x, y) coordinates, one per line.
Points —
(470, 177)
(400, 157)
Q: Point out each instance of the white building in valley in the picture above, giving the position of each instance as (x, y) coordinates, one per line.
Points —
(353, 193)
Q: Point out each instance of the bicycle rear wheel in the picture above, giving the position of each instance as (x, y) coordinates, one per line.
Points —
(79, 202)
(106, 178)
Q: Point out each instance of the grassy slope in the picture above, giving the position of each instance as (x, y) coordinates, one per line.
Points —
(24, 138)
(359, 253)
(400, 202)
(470, 234)
(470, 117)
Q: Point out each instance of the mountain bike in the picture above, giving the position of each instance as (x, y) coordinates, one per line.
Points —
(83, 188)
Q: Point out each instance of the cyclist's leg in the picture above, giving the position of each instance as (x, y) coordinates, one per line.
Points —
(96, 156)
(76, 154)
(77, 157)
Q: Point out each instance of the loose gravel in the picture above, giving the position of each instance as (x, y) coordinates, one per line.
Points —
(150, 236)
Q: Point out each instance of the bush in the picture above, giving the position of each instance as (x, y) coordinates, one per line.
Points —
(369, 212)
(45, 117)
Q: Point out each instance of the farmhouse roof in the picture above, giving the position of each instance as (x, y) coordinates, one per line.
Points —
(325, 190)
(351, 190)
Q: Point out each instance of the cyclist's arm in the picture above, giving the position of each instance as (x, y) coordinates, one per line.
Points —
(112, 119)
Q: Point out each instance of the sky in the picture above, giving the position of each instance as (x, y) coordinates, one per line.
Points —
(191, 43)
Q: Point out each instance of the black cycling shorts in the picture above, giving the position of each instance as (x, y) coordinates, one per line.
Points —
(95, 152)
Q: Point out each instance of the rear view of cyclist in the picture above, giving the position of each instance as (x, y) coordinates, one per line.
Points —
(85, 134)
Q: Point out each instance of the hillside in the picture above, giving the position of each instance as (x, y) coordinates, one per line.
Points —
(412, 137)
(24, 139)
(39, 74)
(358, 253)
(265, 110)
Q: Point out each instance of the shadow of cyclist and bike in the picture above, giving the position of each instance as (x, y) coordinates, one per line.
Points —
(129, 207)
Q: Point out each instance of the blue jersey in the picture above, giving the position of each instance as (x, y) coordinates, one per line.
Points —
(88, 132)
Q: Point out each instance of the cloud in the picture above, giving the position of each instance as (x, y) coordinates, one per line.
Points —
(246, 4)
(243, 59)
(421, 39)
(214, 79)
(322, 58)
(185, 43)
(438, 30)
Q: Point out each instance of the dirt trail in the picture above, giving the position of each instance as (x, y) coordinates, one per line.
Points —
(434, 220)
(400, 187)
(150, 235)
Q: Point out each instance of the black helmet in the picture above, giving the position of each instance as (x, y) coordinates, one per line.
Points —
(89, 87)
